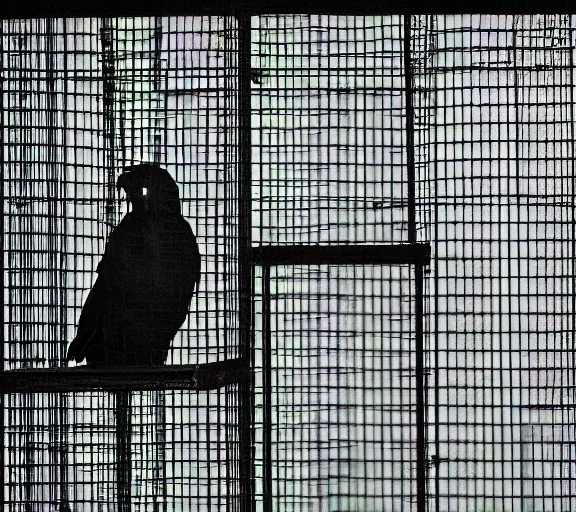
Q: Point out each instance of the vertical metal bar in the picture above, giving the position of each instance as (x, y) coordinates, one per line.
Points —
(159, 397)
(245, 284)
(421, 455)
(411, 172)
(573, 220)
(123, 451)
(159, 454)
(63, 397)
(159, 123)
(2, 316)
(57, 274)
(108, 75)
(227, 72)
(436, 298)
(421, 458)
(267, 374)
(52, 165)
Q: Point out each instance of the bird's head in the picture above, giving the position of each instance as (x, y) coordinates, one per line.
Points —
(149, 188)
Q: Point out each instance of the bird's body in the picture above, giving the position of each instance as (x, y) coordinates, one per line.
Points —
(146, 279)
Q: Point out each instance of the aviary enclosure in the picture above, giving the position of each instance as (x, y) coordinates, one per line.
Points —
(385, 209)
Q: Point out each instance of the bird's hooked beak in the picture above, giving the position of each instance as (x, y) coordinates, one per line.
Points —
(123, 181)
(136, 191)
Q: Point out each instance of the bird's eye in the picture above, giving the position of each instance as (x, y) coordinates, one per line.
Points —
(144, 191)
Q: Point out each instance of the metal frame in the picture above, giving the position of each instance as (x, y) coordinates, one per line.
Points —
(237, 371)
(245, 280)
(63, 8)
(58, 380)
(403, 254)
(421, 444)
(412, 254)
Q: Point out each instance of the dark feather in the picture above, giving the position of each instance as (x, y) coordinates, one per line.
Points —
(146, 279)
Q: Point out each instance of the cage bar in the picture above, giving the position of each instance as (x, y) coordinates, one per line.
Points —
(385, 207)
(193, 377)
(84, 97)
(341, 254)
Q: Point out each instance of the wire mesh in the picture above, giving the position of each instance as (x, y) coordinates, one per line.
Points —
(329, 159)
(82, 99)
(173, 102)
(341, 420)
(502, 292)
(335, 347)
(335, 425)
(183, 462)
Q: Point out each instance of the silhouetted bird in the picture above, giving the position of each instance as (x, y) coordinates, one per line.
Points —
(146, 278)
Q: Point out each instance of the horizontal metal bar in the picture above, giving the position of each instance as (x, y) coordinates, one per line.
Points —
(135, 378)
(399, 254)
(65, 8)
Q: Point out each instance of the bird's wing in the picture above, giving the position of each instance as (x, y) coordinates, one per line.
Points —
(181, 264)
(147, 277)
(90, 326)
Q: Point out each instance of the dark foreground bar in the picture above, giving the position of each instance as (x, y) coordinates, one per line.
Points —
(342, 254)
(66, 8)
(135, 378)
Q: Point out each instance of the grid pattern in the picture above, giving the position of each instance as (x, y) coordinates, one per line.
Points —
(330, 166)
(82, 99)
(335, 347)
(171, 85)
(329, 160)
(502, 294)
(67, 455)
(342, 414)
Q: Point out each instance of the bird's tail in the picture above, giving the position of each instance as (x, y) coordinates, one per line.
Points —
(77, 349)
